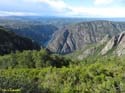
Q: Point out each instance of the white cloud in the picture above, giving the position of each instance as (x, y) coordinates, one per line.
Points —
(61, 8)
(85, 11)
(7, 13)
(58, 4)
(67, 10)
(102, 2)
(99, 12)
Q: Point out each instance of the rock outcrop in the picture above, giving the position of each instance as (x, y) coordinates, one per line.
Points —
(116, 44)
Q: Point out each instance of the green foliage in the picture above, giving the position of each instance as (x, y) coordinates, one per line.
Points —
(42, 72)
(93, 78)
(32, 59)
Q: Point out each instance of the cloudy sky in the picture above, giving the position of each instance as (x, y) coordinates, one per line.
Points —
(63, 8)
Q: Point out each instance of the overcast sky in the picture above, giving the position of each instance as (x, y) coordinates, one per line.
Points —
(63, 8)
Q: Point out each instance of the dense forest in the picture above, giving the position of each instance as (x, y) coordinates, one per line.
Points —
(43, 72)
(33, 59)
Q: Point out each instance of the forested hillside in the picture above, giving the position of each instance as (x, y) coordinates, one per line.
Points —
(103, 75)
(33, 59)
(10, 42)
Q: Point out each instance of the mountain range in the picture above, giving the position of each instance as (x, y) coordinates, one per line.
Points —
(41, 29)
(69, 36)
(79, 36)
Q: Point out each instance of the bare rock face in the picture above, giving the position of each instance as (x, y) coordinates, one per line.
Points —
(109, 45)
(117, 44)
(105, 40)
(120, 50)
(78, 36)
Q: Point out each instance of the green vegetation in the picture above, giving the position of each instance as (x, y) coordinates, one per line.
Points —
(32, 59)
(90, 52)
(42, 72)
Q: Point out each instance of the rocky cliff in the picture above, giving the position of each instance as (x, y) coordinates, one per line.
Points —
(78, 36)
(116, 45)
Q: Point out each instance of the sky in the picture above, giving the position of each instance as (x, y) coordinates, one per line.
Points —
(63, 8)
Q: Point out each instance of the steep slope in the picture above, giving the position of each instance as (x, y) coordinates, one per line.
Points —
(108, 46)
(10, 42)
(116, 45)
(78, 36)
(90, 51)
